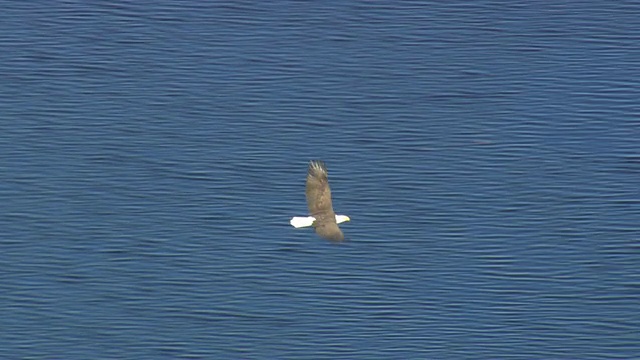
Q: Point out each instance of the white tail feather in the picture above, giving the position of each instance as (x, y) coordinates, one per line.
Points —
(302, 221)
(306, 221)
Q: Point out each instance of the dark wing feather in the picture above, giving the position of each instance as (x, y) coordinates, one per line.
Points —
(319, 202)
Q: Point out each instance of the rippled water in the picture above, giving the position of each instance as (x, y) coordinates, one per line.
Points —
(152, 156)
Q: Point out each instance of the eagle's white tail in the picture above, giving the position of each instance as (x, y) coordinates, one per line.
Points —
(302, 221)
(306, 221)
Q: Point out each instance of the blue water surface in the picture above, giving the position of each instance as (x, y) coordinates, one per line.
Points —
(152, 153)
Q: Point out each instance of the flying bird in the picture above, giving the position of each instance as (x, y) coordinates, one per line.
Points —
(322, 218)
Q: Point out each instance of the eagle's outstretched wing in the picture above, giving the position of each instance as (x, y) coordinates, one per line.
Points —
(319, 202)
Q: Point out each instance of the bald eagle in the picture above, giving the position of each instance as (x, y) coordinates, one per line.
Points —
(322, 218)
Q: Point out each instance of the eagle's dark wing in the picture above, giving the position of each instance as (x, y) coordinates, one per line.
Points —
(319, 202)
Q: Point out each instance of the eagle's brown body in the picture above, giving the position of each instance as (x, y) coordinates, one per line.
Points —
(319, 202)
